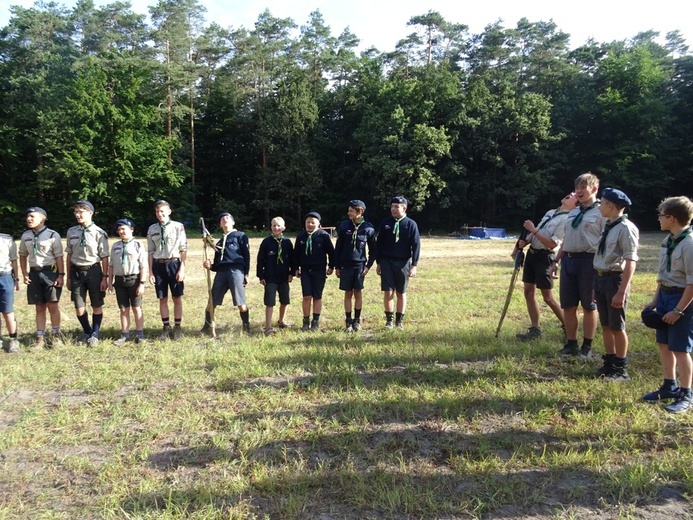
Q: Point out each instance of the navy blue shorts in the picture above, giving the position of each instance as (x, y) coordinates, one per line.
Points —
(351, 278)
(231, 280)
(679, 336)
(42, 288)
(394, 275)
(271, 290)
(313, 282)
(605, 287)
(577, 282)
(165, 277)
(6, 293)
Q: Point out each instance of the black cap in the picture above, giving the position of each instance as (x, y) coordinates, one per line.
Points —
(616, 196)
(85, 204)
(225, 214)
(161, 203)
(36, 209)
(652, 319)
(313, 214)
(399, 200)
(355, 203)
(124, 222)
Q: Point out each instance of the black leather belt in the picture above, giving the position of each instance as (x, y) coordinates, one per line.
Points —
(83, 267)
(671, 290)
(165, 260)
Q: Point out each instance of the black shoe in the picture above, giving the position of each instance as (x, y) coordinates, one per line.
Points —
(349, 326)
(661, 394)
(531, 334)
(314, 325)
(306, 325)
(246, 329)
(681, 404)
(569, 350)
(389, 324)
(619, 375)
(607, 369)
(356, 325)
(585, 353)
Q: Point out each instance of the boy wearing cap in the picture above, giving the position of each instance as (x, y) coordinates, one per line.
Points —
(231, 265)
(87, 265)
(583, 230)
(672, 300)
(313, 263)
(127, 275)
(614, 265)
(275, 272)
(397, 252)
(42, 265)
(167, 247)
(9, 284)
(353, 236)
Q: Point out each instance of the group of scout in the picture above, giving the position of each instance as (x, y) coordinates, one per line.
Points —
(597, 248)
(89, 269)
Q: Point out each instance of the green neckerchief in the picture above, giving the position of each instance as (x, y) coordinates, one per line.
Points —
(354, 240)
(83, 238)
(578, 218)
(309, 242)
(36, 235)
(395, 230)
(280, 260)
(602, 242)
(163, 233)
(124, 257)
(673, 242)
(558, 212)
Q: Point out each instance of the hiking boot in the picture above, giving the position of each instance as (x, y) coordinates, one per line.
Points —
(389, 324)
(607, 368)
(661, 394)
(585, 353)
(569, 350)
(349, 326)
(314, 325)
(356, 325)
(400, 325)
(177, 333)
(531, 334)
(306, 325)
(122, 340)
(166, 333)
(13, 346)
(681, 404)
(92, 341)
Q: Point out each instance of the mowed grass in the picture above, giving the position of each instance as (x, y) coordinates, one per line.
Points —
(441, 420)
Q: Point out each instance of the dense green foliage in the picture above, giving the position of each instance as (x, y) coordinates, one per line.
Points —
(486, 128)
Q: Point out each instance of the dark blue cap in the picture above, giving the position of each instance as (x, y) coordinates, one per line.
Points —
(651, 318)
(399, 200)
(313, 214)
(161, 202)
(124, 222)
(355, 203)
(225, 214)
(84, 204)
(36, 209)
(616, 196)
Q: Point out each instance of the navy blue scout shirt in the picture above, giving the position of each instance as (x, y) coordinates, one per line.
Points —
(322, 253)
(408, 246)
(345, 253)
(269, 268)
(233, 253)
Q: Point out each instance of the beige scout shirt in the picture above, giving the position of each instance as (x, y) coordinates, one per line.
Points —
(621, 245)
(166, 241)
(585, 238)
(554, 227)
(87, 245)
(681, 273)
(41, 248)
(128, 258)
(8, 253)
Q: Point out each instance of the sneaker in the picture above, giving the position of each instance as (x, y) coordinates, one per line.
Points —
(13, 346)
(92, 341)
(585, 353)
(619, 375)
(389, 324)
(531, 334)
(177, 333)
(140, 341)
(400, 325)
(314, 325)
(349, 326)
(282, 325)
(246, 328)
(356, 325)
(166, 333)
(681, 404)
(306, 325)
(606, 369)
(569, 350)
(661, 394)
(122, 340)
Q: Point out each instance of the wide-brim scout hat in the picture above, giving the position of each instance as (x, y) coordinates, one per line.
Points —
(313, 214)
(651, 318)
(84, 204)
(124, 222)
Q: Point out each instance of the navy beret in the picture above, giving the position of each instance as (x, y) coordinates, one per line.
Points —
(652, 319)
(313, 214)
(84, 203)
(124, 222)
(399, 200)
(36, 209)
(616, 196)
(225, 214)
(355, 203)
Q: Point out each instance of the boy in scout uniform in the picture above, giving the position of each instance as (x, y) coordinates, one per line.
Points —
(167, 246)
(42, 265)
(672, 300)
(614, 264)
(87, 265)
(275, 273)
(9, 284)
(397, 252)
(127, 275)
(583, 230)
(353, 236)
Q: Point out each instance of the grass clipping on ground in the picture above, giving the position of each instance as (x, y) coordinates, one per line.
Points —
(440, 420)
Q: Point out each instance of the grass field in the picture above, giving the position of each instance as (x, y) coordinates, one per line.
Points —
(441, 420)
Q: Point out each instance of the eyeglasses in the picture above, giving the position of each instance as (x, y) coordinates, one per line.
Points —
(661, 215)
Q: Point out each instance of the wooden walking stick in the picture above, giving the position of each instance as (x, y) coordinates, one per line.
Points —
(208, 241)
(519, 256)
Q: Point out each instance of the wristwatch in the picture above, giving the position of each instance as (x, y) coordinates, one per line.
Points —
(677, 311)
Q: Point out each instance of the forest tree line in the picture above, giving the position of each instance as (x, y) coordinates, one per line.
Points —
(105, 104)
